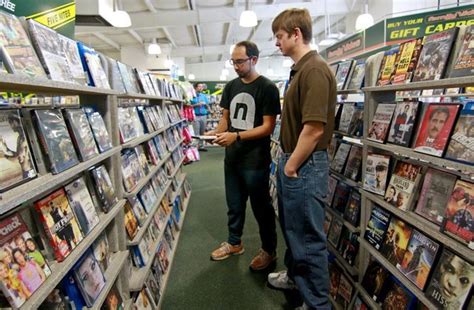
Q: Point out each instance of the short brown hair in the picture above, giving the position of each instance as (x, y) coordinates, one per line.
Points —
(251, 48)
(290, 19)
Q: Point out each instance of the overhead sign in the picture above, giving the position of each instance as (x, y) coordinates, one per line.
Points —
(349, 46)
(419, 25)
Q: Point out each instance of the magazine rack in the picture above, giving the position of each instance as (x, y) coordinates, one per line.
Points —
(20, 198)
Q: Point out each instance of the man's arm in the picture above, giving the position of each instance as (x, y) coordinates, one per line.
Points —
(266, 129)
(307, 141)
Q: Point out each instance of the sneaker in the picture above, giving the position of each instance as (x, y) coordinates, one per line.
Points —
(280, 280)
(225, 250)
(262, 260)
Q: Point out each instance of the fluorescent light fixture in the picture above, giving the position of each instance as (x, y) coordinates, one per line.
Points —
(365, 20)
(287, 63)
(191, 77)
(248, 19)
(231, 49)
(154, 48)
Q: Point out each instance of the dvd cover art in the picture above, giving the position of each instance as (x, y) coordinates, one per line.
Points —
(113, 301)
(401, 189)
(104, 188)
(332, 183)
(349, 246)
(89, 277)
(130, 179)
(435, 128)
(128, 82)
(354, 163)
(341, 196)
(381, 122)
(22, 266)
(377, 226)
(342, 74)
(147, 197)
(461, 145)
(19, 55)
(101, 250)
(376, 173)
(451, 282)
(60, 223)
(99, 130)
(397, 296)
(334, 278)
(82, 133)
(388, 66)
(419, 259)
(346, 117)
(16, 164)
(357, 77)
(115, 78)
(56, 140)
(126, 125)
(335, 232)
(138, 210)
(142, 301)
(339, 160)
(49, 51)
(464, 63)
(359, 304)
(401, 129)
(396, 241)
(435, 55)
(332, 147)
(327, 222)
(435, 193)
(352, 211)
(409, 53)
(356, 127)
(344, 292)
(131, 224)
(374, 279)
(142, 159)
(153, 287)
(459, 217)
(82, 205)
(73, 59)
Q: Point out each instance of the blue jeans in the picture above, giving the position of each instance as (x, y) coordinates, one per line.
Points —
(301, 213)
(240, 184)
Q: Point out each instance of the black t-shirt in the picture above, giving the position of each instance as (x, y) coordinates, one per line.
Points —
(247, 104)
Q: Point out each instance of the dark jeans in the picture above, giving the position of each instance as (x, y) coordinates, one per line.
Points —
(239, 185)
(301, 214)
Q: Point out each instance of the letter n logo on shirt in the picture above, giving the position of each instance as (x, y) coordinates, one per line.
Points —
(242, 111)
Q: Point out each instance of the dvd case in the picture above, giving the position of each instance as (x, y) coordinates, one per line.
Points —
(81, 133)
(100, 131)
(104, 188)
(89, 277)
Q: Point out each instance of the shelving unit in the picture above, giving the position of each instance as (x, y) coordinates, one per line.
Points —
(20, 198)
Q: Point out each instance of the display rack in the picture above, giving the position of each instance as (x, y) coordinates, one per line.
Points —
(22, 196)
(373, 96)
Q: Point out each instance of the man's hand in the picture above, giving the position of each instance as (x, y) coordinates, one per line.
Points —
(210, 133)
(290, 171)
(225, 138)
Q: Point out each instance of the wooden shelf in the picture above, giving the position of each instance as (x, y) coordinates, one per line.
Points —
(177, 122)
(400, 276)
(115, 267)
(143, 138)
(345, 179)
(443, 83)
(59, 270)
(350, 91)
(174, 147)
(176, 193)
(33, 189)
(176, 169)
(13, 82)
(426, 227)
(351, 270)
(143, 229)
(423, 158)
(140, 96)
(147, 178)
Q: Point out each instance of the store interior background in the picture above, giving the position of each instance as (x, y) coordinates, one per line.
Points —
(196, 35)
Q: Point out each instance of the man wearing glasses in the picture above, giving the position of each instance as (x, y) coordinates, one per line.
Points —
(251, 103)
(302, 183)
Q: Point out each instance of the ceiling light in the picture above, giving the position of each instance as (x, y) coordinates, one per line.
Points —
(191, 77)
(154, 48)
(248, 19)
(120, 19)
(287, 63)
(365, 20)
(328, 42)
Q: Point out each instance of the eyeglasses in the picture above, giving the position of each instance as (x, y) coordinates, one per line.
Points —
(238, 61)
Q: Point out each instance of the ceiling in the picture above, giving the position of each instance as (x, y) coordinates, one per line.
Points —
(201, 31)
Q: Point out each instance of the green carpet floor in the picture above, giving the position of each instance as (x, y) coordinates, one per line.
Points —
(195, 281)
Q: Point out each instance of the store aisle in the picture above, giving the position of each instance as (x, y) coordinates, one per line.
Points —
(196, 282)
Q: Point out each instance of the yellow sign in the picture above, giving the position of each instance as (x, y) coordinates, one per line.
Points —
(56, 17)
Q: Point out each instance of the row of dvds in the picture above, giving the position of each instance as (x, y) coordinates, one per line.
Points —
(349, 119)
(420, 259)
(346, 158)
(345, 200)
(67, 215)
(344, 241)
(341, 287)
(443, 199)
(52, 55)
(64, 136)
(441, 129)
(18, 99)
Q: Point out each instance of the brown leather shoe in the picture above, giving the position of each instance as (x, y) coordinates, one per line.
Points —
(262, 260)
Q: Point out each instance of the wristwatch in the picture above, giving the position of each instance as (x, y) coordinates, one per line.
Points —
(238, 136)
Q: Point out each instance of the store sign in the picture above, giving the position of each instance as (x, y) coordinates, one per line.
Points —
(350, 45)
(56, 14)
(419, 25)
